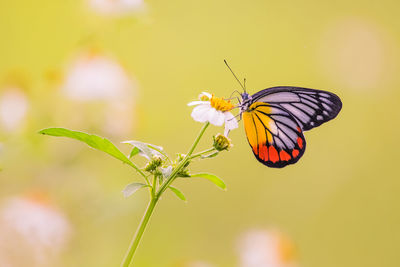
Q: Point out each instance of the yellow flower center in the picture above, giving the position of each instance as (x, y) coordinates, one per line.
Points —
(221, 104)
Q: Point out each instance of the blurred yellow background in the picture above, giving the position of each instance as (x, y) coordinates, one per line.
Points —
(339, 204)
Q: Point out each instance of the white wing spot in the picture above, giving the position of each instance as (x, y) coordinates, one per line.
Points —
(326, 100)
(291, 123)
(279, 143)
(280, 97)
(328, 108)
(299, 114)
(272, 127)
(289, 132)
(324, 95)
(305, 108)
(308, 102)
(310, 98)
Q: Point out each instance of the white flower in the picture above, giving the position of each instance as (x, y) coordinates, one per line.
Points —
(259, 248)
(32, 232)
(96, 77)
(117, 7)
(13, 109)
(215, 111)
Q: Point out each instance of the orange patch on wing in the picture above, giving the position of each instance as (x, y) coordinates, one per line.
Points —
(298, 129)
(261, 152)
(295, 153)
(250, 128)
(264, 152)
(300, 142)
(273, 154)
(284, 155)
(261, 135)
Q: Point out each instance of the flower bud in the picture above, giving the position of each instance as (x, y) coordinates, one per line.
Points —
(221, 142)
(158, 173)
(183, 173)
(157, 160)
(152, 165)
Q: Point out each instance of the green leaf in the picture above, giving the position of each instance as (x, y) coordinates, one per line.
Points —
(211, 177)
(134, 152)
(132, 188)
(147, 150)
(159, 149)
(92, 140)
(177, 192)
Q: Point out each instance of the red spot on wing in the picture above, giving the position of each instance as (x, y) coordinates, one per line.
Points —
(298, 129)
(295, 153)
(262, 153)
(284, 155)
(273, 154)
(265, 150)
(300, 142)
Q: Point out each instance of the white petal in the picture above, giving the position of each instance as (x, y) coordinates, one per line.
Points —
(196, 103)
(206, 94)
(166, 171)
(230, 123)
(216, 117)
(207, 114)
(200, 113)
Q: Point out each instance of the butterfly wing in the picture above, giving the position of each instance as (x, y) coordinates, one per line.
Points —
(274, 135)
(309, 107)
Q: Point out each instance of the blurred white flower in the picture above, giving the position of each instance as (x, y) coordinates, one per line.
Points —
(117, 7)
(265, 248)
(13, 109)
(32, 232)
(214, 110)
(357, 54)
(120, 116)
(94, 77)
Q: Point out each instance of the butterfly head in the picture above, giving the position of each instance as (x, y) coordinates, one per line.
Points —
(246, 102)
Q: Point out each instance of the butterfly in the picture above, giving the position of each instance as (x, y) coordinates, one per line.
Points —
(276, 118)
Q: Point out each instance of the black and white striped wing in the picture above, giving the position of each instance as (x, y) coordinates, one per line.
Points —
(310, 107)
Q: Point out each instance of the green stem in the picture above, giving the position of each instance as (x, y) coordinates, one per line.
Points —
(172, 177)
(154, 187)
(135, 242)
(202, 153)
(155, 196)
(147, 180)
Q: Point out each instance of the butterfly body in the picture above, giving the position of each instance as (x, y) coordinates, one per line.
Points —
(275, 119)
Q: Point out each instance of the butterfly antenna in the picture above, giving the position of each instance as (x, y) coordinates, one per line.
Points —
(244, 84)
(236, 91)
(226, 63)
